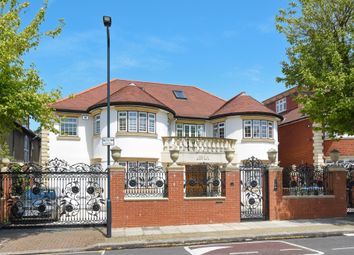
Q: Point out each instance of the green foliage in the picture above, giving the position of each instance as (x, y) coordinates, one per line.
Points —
(320, 60)
(22, 92)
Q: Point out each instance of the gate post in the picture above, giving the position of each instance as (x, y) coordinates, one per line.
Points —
(275, 190)
(338, 176)
(117, 195)
(233, 189)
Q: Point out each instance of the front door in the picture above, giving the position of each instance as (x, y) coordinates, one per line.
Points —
(254, 189)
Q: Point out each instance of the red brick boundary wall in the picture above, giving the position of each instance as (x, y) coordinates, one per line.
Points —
(175, 209)
(307, 207)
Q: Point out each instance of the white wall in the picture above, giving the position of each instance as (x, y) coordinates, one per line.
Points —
(73, 151)
(90, 146)
(247, 149)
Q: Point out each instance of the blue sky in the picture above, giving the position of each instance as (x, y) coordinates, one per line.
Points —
(223, 46)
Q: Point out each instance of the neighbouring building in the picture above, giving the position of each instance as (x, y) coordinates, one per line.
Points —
(24, 144)
(149, 119)
(299, 142)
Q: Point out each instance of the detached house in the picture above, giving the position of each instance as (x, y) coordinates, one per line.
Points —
(149, 119)
(299, 142)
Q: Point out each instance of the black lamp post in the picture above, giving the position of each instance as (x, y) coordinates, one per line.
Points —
(107, 21)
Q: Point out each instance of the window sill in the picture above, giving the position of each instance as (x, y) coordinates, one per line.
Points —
(68, 138)
(257, 140)
(204, 198)
(140, 134)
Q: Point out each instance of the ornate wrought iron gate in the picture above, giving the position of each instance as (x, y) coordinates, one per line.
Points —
(254, 189)
(57, 194)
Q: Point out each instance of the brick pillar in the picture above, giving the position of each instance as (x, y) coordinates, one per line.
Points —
(233, 192)
(338, 181)
(117, 196)
(176, 192)
(275, 192)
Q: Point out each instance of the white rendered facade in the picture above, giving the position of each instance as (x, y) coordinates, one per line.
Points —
(87, 146)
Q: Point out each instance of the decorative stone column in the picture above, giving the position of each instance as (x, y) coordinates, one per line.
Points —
(317, 145)
(44, 154)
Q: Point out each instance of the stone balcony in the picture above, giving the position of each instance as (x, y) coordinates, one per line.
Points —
(196, 150)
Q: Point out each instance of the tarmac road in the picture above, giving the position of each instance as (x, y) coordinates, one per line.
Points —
(339, 245)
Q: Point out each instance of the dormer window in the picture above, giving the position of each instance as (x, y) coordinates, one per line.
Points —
(179, 94)
(281, 105)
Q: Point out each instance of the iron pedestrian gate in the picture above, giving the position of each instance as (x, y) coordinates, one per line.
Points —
(254, 189)
(57, 194)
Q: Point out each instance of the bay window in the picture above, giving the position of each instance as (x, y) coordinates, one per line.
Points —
(190, 130)
(132, 121)
(258, 129)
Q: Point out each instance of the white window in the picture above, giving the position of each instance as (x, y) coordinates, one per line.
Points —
(26, 149)
(219, 130)
(258, 129)
(122, 121)
(142, 122)
(179, 130)
(247, 128)
(270, 129)
(200, 130)
(152, 123)
(97, 125)
(281, 105)
(68, 126)
(132, 121)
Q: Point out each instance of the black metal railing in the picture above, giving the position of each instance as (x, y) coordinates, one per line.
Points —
(307, 180)
(57, 193)
(204, 181)
(145, 181)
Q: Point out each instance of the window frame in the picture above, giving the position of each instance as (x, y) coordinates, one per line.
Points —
(122, 115)
(265, 127)
(26, 149)
(97, 120)
(281, 105)
(72, 125)
(216, 130)
(140, 122)
(153, 130)
(130, 122)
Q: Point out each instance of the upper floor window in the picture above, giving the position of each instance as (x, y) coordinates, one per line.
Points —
(219, 130)
(190, 130)
(258, 129)
(281, 105)
(136, 122)
(97, 125)
(68, 126)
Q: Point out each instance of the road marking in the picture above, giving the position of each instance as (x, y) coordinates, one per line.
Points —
(305, 248)
(201, 251)
(243, 252)
(291, 249)
(342, 248)
(349, 234)
(103, 252)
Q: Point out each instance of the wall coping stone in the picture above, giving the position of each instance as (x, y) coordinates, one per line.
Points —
(231, 169)
(337, 169)
(275, 169)
(117, 168)
(176, 168)
(132, 199)
(309, 196)
(204, 198)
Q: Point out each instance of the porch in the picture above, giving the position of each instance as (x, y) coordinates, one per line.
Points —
(197, 149)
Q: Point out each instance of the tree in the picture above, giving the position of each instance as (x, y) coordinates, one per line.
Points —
(320, 60)
(22, 94)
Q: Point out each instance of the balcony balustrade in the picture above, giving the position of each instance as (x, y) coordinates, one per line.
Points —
(196, 150)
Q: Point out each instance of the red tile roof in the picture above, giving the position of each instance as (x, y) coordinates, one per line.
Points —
(199, 103)
(241, 104)
(293, 115)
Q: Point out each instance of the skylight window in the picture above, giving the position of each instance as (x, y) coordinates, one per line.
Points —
(179, 94)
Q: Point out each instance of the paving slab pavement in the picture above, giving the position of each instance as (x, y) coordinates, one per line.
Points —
(41, 240)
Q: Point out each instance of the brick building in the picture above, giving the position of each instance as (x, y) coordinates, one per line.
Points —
(299, 143)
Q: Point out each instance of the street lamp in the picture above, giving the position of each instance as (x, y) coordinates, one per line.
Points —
(107, 21)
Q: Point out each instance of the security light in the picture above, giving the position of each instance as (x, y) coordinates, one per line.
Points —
(107, 21)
